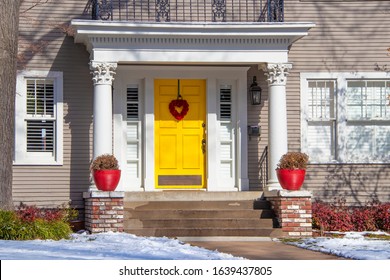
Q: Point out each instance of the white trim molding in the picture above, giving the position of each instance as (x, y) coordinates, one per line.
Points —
(211, 43)
(214, 77)
(222, 51)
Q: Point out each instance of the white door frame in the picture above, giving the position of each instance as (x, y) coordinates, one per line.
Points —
(145, 75)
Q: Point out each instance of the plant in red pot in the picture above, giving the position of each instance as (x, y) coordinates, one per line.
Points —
(105, 172)
(291, 170)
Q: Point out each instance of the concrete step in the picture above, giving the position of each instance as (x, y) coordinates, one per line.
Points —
(192, 214)
(199, 223)
(192, 195)
(186, 214)
(201, 205)
(175, 232)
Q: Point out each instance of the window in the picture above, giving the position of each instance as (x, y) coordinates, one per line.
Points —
(321, 120)
(368, 120)
(38, 107)
(346, 117)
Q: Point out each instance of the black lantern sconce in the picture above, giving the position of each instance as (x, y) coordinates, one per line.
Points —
(255, 92)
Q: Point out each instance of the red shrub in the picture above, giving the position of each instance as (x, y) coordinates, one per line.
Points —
(29, 213)
(363, 219)
(382, 216)
(338, 217)
(329, 217)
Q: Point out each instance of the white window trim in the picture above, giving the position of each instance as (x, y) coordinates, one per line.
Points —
(341, 79)
(21, 156)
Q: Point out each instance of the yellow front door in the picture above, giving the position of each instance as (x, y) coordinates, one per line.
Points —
(180, 144)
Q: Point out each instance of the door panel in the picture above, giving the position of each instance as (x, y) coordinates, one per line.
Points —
(179, 155)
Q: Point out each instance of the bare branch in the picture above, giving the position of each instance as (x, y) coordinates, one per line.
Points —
(37, 3)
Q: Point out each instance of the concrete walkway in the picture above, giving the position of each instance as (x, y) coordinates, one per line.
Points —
(263, 250)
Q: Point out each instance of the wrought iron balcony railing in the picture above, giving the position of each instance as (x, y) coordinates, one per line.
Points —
(187, 10)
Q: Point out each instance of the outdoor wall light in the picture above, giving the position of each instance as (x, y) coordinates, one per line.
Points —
(255, 92)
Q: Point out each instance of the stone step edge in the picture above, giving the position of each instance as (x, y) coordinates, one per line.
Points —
(190, 195)
(225, 238)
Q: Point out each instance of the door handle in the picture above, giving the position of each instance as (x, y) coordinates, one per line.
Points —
(204, 145)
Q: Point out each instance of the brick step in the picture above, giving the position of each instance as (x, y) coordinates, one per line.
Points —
(175, 232)
(191, 214)
(201, 205)
(199, 223)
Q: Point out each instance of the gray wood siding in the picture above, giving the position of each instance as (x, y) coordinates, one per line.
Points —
(45, 46)
(257, 115)
(350, 36)
(358, 184)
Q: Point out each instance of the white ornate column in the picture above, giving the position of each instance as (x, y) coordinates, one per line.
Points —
(103, 75)
(277, 119)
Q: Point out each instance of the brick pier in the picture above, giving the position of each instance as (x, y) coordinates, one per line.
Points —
(293, 211)
(104, 211)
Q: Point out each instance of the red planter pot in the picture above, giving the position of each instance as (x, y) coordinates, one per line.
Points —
(291, 180)
(106, 180)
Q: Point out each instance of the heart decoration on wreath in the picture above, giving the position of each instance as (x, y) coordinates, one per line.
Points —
(179, 103)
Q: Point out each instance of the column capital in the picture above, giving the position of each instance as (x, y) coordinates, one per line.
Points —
(276, 73)
(102, 72)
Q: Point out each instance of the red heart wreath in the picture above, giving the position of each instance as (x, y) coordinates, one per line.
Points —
(179, 103)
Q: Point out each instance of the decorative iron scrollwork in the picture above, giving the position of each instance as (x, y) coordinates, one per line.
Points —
(102, 9)
(219, 10)
(163, 10)
(275, 11)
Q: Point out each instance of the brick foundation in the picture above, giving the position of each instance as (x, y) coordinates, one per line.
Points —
(104, 211)
(293, 211)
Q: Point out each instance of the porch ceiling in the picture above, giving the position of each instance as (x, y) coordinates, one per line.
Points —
(183, 43)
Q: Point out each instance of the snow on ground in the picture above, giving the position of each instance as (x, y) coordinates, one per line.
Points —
(122, 246)
(109, 246)
(354, 245)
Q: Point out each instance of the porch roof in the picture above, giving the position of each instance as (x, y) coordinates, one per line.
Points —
(180, 43)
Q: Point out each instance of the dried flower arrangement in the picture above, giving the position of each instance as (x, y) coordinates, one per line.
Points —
(293, 160)
(105, 162)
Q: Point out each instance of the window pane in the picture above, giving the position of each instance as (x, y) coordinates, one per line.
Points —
(356, 95)
(377, 94)
(320, 140)
(367, 100)
(360, 141)
(40, 136)
(40, 97)
(382, 136)
(321, 100)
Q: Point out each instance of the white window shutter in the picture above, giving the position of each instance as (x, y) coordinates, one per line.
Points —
(133, 134)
